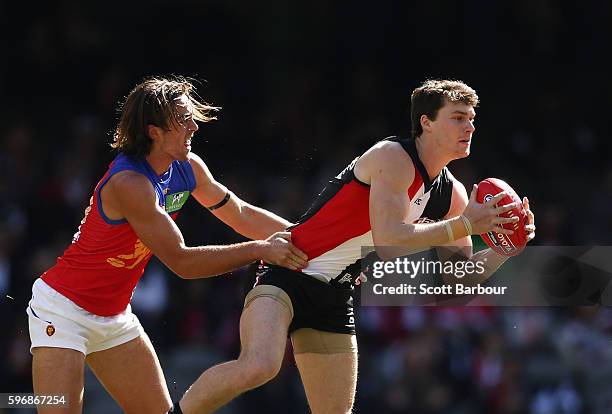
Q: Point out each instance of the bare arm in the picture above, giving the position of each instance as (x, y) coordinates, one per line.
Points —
(390, 172)
(133, 198)
(244, 218)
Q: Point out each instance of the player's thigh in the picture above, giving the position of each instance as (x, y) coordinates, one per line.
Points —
(58, 372)
(264, 324)
(327, 363)
(132, 374)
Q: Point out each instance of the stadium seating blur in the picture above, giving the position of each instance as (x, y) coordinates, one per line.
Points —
(305, 87)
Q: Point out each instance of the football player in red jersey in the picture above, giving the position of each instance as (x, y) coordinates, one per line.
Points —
(80, 312)
(398, 193)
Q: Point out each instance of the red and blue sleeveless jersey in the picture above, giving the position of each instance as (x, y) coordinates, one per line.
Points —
(100, 269)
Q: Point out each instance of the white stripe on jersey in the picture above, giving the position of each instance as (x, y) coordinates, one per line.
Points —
(330, 264)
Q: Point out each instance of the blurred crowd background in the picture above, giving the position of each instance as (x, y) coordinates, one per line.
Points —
(305, 87)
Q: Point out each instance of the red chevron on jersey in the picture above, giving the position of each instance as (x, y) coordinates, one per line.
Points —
(343, 217)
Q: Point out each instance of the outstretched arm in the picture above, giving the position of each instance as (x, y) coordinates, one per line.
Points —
(250, 221)
(133, 198)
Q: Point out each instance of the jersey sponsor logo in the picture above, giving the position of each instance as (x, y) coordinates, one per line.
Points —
(424, 220)
(418, 201)
(50, 330)
(175, 201)
(130, 261)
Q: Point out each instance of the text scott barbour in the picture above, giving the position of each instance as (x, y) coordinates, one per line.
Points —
(424, 289)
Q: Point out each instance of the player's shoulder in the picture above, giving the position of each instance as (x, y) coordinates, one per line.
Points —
(132, 183)
(192, 157)
(387, 151)
(387, 144)
(198, 164)
(200, 169)
(385, 158)
(128, 191)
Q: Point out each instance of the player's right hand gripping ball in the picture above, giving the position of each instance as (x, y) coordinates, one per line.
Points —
(505, 244)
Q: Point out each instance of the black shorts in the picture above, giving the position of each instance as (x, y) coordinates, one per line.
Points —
(316, 304)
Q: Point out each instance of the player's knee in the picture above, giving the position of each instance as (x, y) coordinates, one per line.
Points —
(260, 370)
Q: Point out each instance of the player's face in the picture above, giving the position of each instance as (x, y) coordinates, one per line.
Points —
(176, 143)
(453, 129)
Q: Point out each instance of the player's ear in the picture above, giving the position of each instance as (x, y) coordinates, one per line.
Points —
(425, 122)
(154, 132)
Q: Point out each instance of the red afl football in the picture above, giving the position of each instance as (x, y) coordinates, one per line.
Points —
(505, 244)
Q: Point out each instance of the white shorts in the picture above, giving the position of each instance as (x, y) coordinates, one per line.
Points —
(55, 321)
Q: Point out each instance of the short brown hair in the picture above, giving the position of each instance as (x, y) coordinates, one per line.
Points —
(428, 98)
(151, 102)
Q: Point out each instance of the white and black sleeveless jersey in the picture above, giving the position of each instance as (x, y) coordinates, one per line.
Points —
(334, 229)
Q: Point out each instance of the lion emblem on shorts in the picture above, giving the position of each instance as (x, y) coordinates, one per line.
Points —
(50, 330)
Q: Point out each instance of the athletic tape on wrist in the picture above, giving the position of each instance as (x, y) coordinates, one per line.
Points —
(467, 224)
(449, 231)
